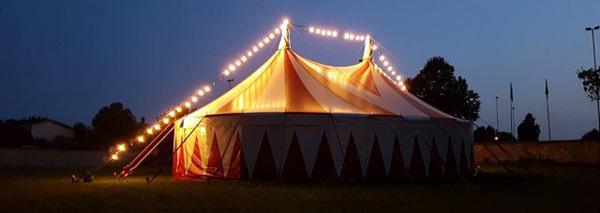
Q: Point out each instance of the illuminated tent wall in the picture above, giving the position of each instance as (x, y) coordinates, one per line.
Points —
(298, 120)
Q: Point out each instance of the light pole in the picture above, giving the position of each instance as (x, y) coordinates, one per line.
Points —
(497, 122)
(595, 66)
(229, 81)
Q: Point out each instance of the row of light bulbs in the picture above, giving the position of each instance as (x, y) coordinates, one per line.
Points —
(178, 110)
(396, 77)
(323, 32)
(335, 33)
(253, 50)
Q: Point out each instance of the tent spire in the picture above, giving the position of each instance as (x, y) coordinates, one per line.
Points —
(284, 43)
(368, 54)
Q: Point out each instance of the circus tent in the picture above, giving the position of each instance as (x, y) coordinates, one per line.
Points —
(296, 119)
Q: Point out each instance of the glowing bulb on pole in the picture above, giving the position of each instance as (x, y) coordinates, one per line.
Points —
(149, 131)
(187, 104)
(140, 139)
(172, 113)
(114, 157)
(166, 120)
(157, 127)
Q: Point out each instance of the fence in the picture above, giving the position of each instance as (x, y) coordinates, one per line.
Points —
(50, 158)
(557, 151)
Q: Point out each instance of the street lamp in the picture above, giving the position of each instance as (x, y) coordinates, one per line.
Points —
(229, 81)
(593, 42)
(497, 122)
(595, 66)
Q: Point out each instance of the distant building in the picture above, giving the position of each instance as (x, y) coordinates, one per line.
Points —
(49, 130)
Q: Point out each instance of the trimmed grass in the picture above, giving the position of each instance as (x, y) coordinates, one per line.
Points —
(549, 188)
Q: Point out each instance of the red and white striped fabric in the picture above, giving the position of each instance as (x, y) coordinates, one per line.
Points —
(288, 82)
(294, 118)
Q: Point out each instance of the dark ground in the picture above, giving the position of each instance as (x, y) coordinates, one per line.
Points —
(549, 188)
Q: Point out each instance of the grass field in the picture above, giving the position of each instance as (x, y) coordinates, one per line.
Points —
(549, 188)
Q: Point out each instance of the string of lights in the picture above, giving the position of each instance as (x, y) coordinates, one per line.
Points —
(178, 111)
(389, 72)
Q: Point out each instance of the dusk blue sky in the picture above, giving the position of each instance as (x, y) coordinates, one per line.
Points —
(67, 59)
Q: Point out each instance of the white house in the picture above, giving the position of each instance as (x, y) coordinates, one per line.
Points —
(50, 129)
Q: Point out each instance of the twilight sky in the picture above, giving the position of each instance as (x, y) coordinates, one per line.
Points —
(67, 59)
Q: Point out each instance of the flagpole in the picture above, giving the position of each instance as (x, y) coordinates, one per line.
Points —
(548, 112)
(512, 112)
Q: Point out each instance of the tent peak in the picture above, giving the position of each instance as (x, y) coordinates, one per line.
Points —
(368, 53)
(284, 43)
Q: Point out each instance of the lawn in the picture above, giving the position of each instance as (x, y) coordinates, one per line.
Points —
(547, 188)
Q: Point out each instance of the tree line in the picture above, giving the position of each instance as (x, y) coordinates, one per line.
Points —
(111, 124)
(437, 85)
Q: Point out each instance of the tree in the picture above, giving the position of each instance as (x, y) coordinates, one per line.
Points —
(437, 85)
(484, 134)
(528, 130)
(590, 79)
(593, 135)
(84, 135)
(13, 134)
(115, 123)
(506, 137)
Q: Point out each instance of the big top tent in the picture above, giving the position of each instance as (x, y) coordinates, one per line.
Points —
(294, 119)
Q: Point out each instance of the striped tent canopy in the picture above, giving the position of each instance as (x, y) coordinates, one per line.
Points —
(296, 119)
(288, 82)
